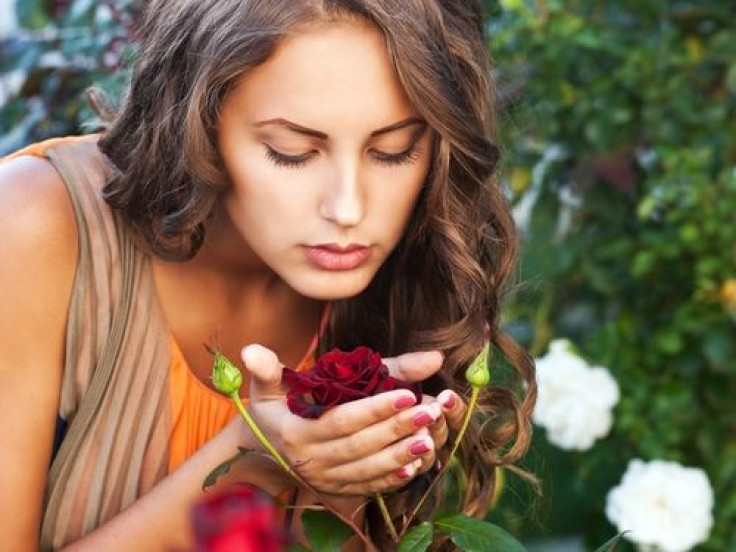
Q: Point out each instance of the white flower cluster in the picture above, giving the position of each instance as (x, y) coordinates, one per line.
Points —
(575, 400)
(667, 507)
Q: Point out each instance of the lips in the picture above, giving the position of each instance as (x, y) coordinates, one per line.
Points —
(330, 256)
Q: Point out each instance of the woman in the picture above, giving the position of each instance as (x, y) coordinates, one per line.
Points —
(279, 170)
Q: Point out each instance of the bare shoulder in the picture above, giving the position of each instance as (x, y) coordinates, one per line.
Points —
(35, 206)
(38, 258)
(38, 248)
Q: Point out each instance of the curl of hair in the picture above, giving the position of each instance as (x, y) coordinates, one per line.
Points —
(442, 286)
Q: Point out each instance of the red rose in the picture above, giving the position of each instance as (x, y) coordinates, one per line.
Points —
(339, 377)
(243, 519)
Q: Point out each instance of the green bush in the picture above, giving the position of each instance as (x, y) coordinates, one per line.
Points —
(619, 122)
(61, 49)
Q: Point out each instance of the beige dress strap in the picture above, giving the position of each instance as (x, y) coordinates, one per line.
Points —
(114, 393)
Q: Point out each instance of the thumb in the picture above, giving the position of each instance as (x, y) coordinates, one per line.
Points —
(415, 366)
(265, 372)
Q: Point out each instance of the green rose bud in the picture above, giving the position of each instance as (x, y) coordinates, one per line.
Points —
(477, 373)
(226, 377)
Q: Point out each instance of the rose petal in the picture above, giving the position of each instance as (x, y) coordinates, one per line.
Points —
(339, 377)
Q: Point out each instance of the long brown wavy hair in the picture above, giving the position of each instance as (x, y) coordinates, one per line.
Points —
(442, 286)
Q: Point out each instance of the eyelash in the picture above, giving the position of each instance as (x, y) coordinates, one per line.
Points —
(297, 161)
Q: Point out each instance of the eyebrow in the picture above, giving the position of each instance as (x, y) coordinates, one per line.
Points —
(322, 136)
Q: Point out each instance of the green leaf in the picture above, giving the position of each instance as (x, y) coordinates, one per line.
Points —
(224, 468)
(27, 58)
(644, 262)
(81, 12)
(324, 531)
(475, 535)
(418, 539)
(612, 544)
(718, 348)
(669, 341)
(32, 14)
(647, 207)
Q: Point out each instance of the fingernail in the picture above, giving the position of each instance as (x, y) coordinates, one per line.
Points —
(422, 419)
(401, 473)
(419, 447)
(449, 402)
(405, 401)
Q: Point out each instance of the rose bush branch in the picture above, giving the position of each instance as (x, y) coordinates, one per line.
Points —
(387, 517)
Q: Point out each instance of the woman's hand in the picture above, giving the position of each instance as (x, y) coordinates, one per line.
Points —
(448, 408)
(370, 445)
(452, 410)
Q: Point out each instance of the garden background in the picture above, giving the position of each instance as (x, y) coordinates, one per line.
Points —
(618, 130)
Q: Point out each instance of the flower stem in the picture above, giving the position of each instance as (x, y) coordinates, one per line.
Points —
(285, 465)
(387, 517)
(463, 427)
(259, 434)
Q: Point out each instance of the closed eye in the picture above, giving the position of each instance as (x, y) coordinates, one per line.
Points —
(282, 160)
(297, 161)
(405, 157)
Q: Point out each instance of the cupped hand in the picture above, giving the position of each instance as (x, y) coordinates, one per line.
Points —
(448, 407)
(366, 446)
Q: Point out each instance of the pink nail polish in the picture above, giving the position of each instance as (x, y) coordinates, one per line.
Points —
(422, 419)
(404, 402)
(450, 402)
(401, 473)
(420, 447)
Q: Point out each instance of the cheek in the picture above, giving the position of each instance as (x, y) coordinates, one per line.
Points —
(397, 200)
(264, 198)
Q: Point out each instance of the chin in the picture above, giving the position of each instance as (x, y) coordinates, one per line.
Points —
(332, 286)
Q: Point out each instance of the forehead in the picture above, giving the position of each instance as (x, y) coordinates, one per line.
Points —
(332, 76)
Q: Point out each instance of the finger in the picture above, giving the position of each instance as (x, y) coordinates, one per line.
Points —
(265, 370)
(416, 366)
(439, 432)
(426, 460)
(388, 482)
(350, 418)
(372, 439)
(438, 429)
(408, 471)
(384, 462)
(453, 407)
(344, 422)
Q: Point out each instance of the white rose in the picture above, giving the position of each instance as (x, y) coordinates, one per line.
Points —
(665, 506)
(575, 400)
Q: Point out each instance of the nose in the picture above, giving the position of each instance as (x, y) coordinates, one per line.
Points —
(343, 202)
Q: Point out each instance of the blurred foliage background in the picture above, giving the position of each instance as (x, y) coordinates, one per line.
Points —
(618, 124)
(56, 50)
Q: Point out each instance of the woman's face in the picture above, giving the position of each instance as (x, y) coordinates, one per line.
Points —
(326, 157)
